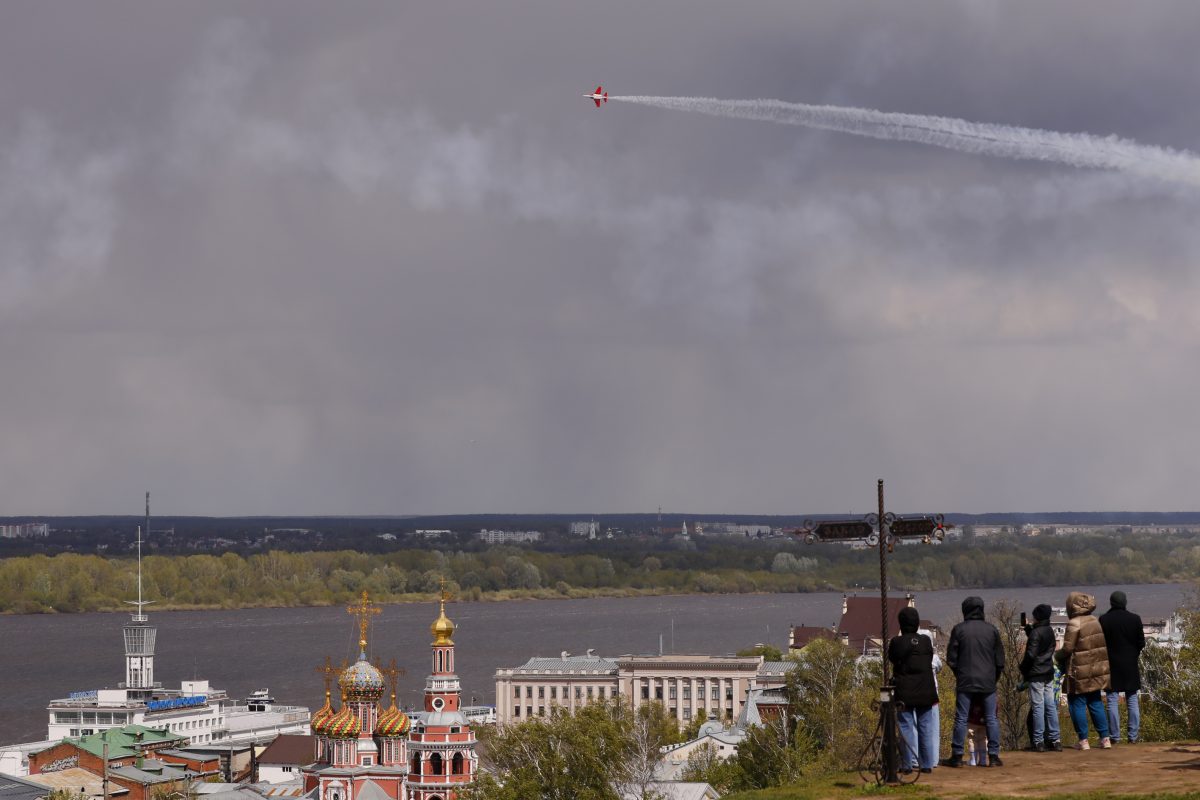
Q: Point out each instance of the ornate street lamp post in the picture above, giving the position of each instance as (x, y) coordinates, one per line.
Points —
(883, 529)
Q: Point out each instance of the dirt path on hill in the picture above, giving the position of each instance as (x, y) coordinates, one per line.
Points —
(1125, 769)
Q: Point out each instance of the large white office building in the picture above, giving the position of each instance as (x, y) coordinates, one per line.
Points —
(688, 686)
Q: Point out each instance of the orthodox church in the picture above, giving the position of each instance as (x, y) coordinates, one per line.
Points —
(364, 752)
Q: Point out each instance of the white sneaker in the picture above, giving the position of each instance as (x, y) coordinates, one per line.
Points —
(1106, 743)
(1082, 744)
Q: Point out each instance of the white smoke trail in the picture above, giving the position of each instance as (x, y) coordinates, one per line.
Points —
(1004, 141)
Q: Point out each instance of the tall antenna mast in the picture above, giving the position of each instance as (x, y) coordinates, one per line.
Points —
(139, 636)
(139, 614)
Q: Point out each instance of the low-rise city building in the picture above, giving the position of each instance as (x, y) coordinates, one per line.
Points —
(283, 759)
(143, 762)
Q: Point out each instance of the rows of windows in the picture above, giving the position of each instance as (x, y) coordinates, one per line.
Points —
(593, 692)
(91, 717)
(699, 697)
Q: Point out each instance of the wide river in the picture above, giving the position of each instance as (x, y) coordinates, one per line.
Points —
(47, 656)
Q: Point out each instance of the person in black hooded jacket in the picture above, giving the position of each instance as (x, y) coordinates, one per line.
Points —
(1125, 639)
(976, 656)
(911, 655)
(1037, 668)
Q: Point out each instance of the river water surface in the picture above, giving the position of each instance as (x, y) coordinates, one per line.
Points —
(47, 656)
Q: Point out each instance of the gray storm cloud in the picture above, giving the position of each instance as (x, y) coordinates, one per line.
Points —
(340, 266)
(59, 208)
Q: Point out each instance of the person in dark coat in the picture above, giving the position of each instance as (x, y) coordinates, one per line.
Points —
(1125, 639)
(1037, 668)
(911, 655)
(976, 656)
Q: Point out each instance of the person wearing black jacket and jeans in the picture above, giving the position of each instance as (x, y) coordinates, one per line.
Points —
(1037, 667)
(976, 656)
(911, 655)
(1125, 639)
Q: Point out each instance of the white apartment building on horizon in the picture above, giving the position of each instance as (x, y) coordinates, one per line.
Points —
(25, 530)
(688, 686)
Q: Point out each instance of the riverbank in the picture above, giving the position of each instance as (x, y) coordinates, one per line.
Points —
(70, 582)
(508, 595)
(400, 600)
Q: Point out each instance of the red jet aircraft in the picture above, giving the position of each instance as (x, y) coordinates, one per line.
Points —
(599, 96)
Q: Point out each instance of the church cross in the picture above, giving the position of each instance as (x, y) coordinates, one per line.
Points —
(393, 674)
(364, 609)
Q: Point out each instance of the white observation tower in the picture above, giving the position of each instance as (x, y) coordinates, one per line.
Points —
(139, 635)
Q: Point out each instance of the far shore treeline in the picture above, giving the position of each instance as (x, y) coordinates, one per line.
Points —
(73, 582)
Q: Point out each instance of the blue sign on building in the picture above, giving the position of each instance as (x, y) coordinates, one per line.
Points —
(176, 702)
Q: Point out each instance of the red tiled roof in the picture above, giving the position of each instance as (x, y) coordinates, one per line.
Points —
(861, 623)
(803, 634)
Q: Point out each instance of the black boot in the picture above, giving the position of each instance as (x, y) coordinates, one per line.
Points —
(955, 760)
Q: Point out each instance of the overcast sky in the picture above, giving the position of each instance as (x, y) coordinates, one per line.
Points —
(302, 257)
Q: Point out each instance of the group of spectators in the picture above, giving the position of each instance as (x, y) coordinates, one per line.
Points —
(1097, 663)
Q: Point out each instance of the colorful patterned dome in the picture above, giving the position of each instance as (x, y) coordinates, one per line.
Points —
(344, 724)
(321, 718)
(361, 681)
(393, 722)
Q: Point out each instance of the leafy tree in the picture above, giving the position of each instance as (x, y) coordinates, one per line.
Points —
(1171, 682)
(692, 729)
(1012, 703)
(769, 652)
(705, 764)
(650, 729)
(604, 751)
(830, 694)
(66, 794)
(773, 754)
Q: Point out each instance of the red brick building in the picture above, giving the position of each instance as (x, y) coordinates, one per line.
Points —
(141, 760)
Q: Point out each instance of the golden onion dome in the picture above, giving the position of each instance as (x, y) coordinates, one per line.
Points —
(322, 716)
(442, 628)
(344, 724)
(392, 723)
(361, 681)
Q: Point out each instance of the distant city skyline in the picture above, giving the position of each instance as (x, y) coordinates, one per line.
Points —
(298, 259)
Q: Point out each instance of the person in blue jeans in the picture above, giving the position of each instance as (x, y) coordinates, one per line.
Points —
(1084, 658)
(1124, 639)
(1037, 667)
(911, 655)
(976, 656)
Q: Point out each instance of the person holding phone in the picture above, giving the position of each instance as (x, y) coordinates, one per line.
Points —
(1037, 668)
